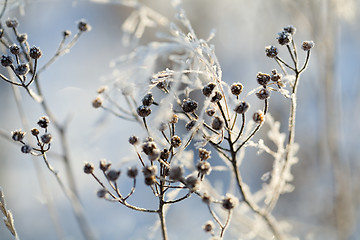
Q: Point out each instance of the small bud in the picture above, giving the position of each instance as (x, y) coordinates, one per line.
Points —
(143, 111)
(35, 52)
(83, 26)
(43, 122)
(113, 175)
(189, 105)
(204, 154)
(148, 99)
(307, 45)
(101, 193)
(22, 37)
(210, 112)
(101, 89)
(258, 117)
(149, 171)
(203, 167)
(66, 33)
(271, 51)
(284, 38)
(175, 141)
(14, 49)
(6, 60)
(174, 119)
(26, 149)
(206, 198)
(176, 173)
(208, 226)
(104, 166)
(35, 131)
(290, 29)
(148, 147)
(263, 78)
(217, 123)
(207, 90)
(263, 94)
(22, 69)
(12, 23)
(275, 76)
(46, 138)
(162, 127)
(242, 107)
(236, 88)
(189, 125)
(132, 172)
(165, 154)
(97, 102)
(150, 180)
(18, 135)
(88, 168)
(192, 183)
(229, 202)
(133, 140)
(217, 97)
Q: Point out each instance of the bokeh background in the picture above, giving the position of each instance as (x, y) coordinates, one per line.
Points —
(325, 202)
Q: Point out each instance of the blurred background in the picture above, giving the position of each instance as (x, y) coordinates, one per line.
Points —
(325, 202)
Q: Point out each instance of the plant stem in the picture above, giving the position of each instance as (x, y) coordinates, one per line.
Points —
(161, 210)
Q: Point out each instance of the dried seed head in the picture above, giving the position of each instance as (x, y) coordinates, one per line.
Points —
(101, 193)
(22, 37)
(189, 105)
(88, 168)
(165, 154)
(104, 166)
(217, 97)
(271, 51)
(43, 122)
(154, 155)
(149, 171)
(192, 183)
(275, 76)
(148, 99)
(113, 175)
(263, 94)
(217, 123)
(150, 180)
(133, 140)
(174, 119)
(35, 131)
(66, 33)
(206, 198)
(204, 154)
(258, 117)
(26, 149)
(210, 112)
(307, 45)
(175, 141)
(162, 127)
(97, 102)
(22, 69)
(6, 60)
(242, 107)
(12, 23)
(236, 88)
(18, 135)
(290, 29)
(132, 172)
(176, 173)
(207, 90)
(83, 26)
(143, 111)
(35, 52)
(203, 167)
(46, 138)
(229, 202)
(208, 226)
(14, 49)
(263, 78)
(148, 147)
(284, 38)
(189, 125)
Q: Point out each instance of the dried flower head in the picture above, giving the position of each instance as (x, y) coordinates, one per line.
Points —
(6, 60)
(207, 90)
(259, 117)
(204, 154)
(217, 123)
(150, 180)
(133, 140)
(83, 26)
(263, 94)
(66, 33)
(22, 69)
(208, 226)
(263, 78)
(148, 99)
(132, 172)
(148, 147)
(210, 112)
(229, 202)
(112, 175)
(189, 105)
(104, 165)
(12, 23)
(43, 122)
(22, 37)
(175, 141)
(88, 168)
(203, 167)
(192, 182)
(174, 119)
(143, 111)
(176, 173)
(35, 131)
(35, 52)
(14, 49)
(284, 38)
(307, 45)
(242, 107)
(18, 135)
(26, 149)
(97, 102)
(189, 125)
(149, 171)
(154, 155)
(290, 29)
(236, 88)
(275, 76)
(46, 138)
(271, 51)
(217, 97)
(101, 193)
